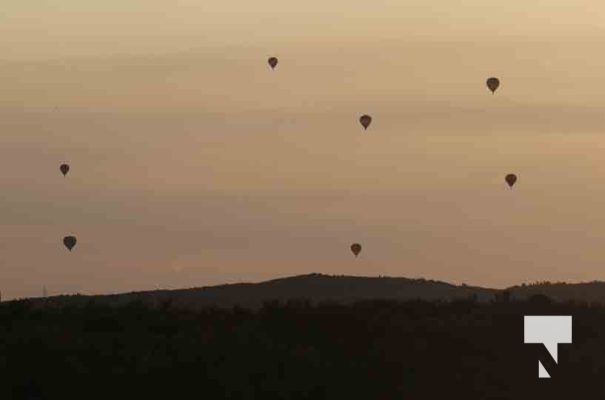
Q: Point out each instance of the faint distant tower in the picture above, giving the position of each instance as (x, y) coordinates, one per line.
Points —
(44, 292)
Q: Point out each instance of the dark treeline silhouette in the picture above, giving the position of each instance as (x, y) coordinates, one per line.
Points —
(377, 350)
(339, 288)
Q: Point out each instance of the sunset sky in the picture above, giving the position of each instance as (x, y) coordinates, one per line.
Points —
(194, 164)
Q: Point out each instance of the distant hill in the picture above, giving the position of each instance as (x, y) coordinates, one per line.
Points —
(317, 288)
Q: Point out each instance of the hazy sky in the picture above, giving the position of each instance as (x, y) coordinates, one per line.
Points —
(194, 164)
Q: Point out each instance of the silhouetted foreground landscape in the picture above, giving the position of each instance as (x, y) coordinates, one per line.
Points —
(366, 349)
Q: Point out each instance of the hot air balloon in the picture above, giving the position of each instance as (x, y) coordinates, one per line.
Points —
(69, 242)
(511, 179)
(356, 249)
(492, 84)
(365, 121)
(272, 62)
(64, 169)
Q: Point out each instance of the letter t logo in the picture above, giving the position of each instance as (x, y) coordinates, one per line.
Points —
(549, 330)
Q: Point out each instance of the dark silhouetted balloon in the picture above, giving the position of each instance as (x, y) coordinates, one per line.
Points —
(64, 169)
(365, 121)
(493, 84)
(272, 62)
(356, 249)
(69, 242)
(511, 179)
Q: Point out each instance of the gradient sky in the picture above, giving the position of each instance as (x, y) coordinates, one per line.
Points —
(194, 164)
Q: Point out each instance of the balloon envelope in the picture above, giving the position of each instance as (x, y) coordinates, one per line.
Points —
(69, 242)
(64, 169)
(365, 121)
(492, 84)
(511, 179)
(356, 249)
(272, 62)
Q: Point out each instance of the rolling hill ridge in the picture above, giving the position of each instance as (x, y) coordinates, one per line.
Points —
(317, 288)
